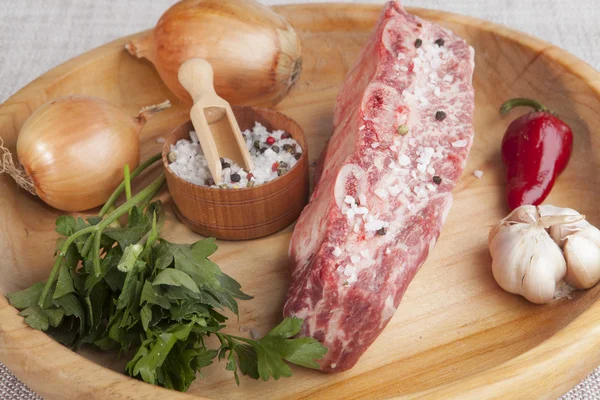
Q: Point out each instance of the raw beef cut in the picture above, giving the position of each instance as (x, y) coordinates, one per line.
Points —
(402, 133)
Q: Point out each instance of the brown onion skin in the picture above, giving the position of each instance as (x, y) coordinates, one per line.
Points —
(241, 39)
(82, 176)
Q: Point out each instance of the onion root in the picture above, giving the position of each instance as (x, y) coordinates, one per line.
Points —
(16, 171)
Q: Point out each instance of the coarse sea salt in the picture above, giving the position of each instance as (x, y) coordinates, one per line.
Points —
(362, 198)
(460, 143)
(337, 252)
(361, 211)
(381, 193)
(403, 160)
(478, 173)
(349, 270)
(270, 160)
(394, 190)
(375, 225)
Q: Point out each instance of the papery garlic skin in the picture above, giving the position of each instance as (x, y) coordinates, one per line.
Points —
(580, 242)
(526, 261)
(523, 214)
(559, 232)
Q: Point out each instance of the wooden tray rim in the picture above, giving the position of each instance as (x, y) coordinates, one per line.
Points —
(545, 371)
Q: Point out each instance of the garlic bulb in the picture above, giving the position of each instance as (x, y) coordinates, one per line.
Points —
(534, 248)
(580, 242)
(526, 260)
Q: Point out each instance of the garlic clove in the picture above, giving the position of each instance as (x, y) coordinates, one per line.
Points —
(560, 232)
(583, 261)
(583, 229)
(526, 261)
(546, 268)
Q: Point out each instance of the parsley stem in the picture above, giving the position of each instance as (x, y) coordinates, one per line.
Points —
(146, 194)
(96, 255)
(59, 259)
(86, 246)
(147, 246)
(113, 197)
(241, 339)
(127, 180)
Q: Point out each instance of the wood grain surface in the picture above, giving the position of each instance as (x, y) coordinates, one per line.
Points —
(455, 335)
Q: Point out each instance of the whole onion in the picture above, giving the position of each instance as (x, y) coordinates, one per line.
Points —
(255, 52)
(72, 150)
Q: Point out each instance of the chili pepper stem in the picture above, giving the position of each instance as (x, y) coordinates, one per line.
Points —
(522, 102)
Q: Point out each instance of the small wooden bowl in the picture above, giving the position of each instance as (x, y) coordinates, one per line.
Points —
(248, 213)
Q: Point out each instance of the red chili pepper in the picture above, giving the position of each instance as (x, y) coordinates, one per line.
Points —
(270, 140)
(535, 149)
(275, 166)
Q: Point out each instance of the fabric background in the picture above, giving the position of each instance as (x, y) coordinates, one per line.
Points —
(37, 35)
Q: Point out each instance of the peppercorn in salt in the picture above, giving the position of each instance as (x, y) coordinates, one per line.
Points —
(189, 163)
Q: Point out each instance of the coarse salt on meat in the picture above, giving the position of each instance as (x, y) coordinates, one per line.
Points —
(394, 84)
(460, 143)
(403, 160)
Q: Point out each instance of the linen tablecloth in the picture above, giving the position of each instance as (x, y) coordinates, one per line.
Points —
(37, 35)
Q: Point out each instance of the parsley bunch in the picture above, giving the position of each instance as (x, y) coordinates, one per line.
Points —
(126, 288)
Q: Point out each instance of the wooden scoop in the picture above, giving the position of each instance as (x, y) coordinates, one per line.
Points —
(217, 129)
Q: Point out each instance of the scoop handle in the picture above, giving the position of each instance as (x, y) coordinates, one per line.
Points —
(196, 76)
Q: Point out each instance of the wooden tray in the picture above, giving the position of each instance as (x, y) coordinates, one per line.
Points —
(456, 334)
